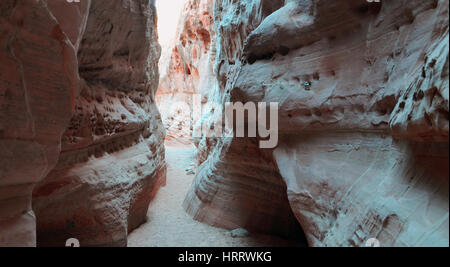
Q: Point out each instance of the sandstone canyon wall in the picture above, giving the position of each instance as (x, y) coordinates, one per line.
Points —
(363, 95)
(80, 135)
(189, 79)
(188, 70)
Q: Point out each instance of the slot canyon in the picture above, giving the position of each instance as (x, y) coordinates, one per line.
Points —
(101, 139)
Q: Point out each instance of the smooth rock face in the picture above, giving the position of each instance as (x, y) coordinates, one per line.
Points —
(78, 117)
(241, 187)
(38, 85)
(346, 188)
(189, 70)
(363, 96)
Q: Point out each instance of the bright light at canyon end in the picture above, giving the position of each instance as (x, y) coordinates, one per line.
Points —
(168, 16)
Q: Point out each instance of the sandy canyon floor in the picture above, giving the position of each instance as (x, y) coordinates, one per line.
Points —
(168, 225)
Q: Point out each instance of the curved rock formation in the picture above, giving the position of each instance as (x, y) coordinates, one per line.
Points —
(78, 117)
(38, 85)
(237, 185)
(363, 96)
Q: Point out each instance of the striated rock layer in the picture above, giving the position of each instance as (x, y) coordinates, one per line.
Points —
(78, 117)
(241, 187)
(363, 120)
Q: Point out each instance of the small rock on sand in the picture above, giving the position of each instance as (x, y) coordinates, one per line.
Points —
(239, 233)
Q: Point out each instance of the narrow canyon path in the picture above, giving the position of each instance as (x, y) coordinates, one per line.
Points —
(168, 225)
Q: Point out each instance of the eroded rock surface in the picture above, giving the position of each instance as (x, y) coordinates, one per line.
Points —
(78, 117)
(112, 159)
(189, 70)
(363, 95)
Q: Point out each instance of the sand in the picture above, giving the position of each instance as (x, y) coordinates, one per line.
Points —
(168, 225)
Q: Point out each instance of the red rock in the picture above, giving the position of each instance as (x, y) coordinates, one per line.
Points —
(192, 54)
